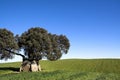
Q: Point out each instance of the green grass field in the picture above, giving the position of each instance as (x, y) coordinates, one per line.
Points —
(69, 69)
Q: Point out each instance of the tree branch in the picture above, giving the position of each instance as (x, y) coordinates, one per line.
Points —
(15, 53)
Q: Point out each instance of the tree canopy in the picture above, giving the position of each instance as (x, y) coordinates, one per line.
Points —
(7, 44)
(37, 43)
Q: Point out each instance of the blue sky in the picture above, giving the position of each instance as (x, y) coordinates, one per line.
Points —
(92, 26)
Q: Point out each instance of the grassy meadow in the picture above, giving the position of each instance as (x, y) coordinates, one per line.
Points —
(68, 69)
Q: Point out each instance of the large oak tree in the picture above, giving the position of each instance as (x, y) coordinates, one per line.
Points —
(37, 43)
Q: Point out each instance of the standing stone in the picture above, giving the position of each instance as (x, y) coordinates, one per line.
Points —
(25, 66)
(39, 67)
(34, 66)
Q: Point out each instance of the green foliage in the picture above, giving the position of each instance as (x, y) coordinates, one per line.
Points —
(37, 43)
(71, 69)
(59, 45)
(7, 42)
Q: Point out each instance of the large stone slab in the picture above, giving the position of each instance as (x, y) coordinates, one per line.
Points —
(27, 66)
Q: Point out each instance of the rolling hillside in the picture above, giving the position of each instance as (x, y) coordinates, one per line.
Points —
(69, 69)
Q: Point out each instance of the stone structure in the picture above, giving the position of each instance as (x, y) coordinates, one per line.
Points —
(32, 66)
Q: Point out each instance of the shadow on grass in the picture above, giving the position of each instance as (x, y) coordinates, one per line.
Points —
(9, 68)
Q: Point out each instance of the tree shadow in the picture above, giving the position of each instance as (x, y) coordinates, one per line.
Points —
(10, 68)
